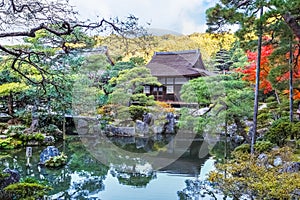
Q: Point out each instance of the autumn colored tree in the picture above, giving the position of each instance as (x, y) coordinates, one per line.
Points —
(250, 71)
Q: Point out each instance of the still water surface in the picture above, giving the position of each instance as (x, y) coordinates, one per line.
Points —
(84, 177)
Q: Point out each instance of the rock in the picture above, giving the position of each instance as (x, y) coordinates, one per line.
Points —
(148, 118)
(141, 127)
(262, 159)
(82, 124)
(5, 117)
(169, 127)
(127, 131)
(3, 137)
(141, 142)
(50, 151)
(199, 112)
(277, 161)
(49, 139)
(238, 139)
(291, 167)
(111, 130)
(157, 129)
(232, 129)
(13, 177)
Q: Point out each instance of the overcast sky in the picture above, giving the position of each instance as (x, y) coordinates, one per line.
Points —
(181, 16)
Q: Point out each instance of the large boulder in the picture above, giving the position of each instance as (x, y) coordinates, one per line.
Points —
(13, 177)
(49, 152)
(141, 127)
(169, 127)
(148, 118)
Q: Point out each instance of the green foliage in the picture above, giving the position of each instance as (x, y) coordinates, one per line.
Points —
(296, 130)
(279, 131)
(15, 130)
(137, 60)
(130, 82)
(57, 161)
(25, 138)
(196, 90)
(264, 118)
(137, 112)
(17, 137)
(263, 146)
(142, 99)
(3, 176)
(244, 148)
(223, 60)
(10, 143)
(7, 88)
(225, 97)
(28, 189)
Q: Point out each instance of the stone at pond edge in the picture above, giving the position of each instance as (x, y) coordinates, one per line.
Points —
(141, 127)
(169, 127)
(50, 151)
(13, 177)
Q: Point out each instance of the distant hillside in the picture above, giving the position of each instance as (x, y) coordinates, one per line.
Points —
(124, 49)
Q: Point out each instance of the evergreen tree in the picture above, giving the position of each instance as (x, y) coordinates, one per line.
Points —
(223, 61)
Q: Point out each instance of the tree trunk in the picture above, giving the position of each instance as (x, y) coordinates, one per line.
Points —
(241, 129)
(253, 136)
(10, 104)
(291, 83)
(292, 23)
(277, 97)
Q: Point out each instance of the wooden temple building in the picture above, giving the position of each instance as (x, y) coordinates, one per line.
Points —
(173, 69)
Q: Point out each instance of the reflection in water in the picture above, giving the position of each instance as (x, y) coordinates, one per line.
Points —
(84, 177)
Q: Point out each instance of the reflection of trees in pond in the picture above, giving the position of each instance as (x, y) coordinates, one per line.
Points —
(138, 176)
(137, 180)
(81, 177)
(142, 144)
(218, 151)
(85, 174)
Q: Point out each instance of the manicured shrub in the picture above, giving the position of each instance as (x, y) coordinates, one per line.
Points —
(142, 99)
(137, 112)
(262, 146)
(279, 131)
(57, 161)
(29, 189)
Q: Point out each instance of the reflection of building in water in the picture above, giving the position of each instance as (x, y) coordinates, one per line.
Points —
(189, 163)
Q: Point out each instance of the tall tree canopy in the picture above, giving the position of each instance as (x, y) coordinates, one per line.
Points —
(243, 13)
(23, 19)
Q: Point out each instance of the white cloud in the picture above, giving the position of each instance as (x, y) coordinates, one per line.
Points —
(173, 15)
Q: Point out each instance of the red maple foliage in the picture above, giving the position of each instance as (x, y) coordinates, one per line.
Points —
(250, 71)
(265, 85)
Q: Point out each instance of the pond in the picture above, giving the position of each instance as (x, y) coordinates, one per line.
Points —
(129, 176)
